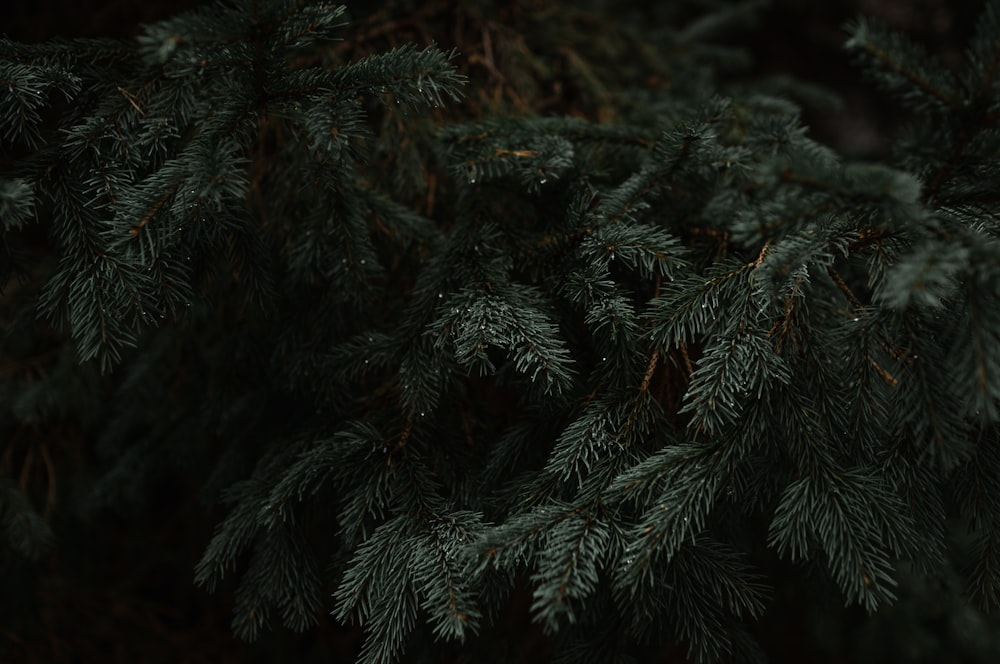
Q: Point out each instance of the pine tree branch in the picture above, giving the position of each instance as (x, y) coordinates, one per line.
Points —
(986, 83)
(893, 64)
(945, 171)
(842, 285)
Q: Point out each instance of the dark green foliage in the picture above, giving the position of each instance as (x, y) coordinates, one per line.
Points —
(25, 532)
(641, 357)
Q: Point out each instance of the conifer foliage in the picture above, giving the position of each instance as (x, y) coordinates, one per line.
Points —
(641, 356)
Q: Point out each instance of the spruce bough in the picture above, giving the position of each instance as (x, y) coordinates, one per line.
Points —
(434, 360)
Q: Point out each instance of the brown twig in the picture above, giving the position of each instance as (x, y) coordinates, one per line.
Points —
(687, 359)
(650, 370)
(886, 376)
(851, 297)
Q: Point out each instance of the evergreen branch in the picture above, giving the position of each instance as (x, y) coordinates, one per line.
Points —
(691, 305)
(586, 440)
(833, 325)
(936, 424)
(650, 370)
(732, 369)
(904, 67)
(772, 227)
(25, 531)
(132, 100)
(978, 496)
(152, 212)
(608, 425)
(651, 251)
(406, 73)
(698, 614)
(440, 573)
(567, 566)
(307, 23)
(17, 203)
(944, 172)
(985, 577)
(513, 542)
(845, 289)
(283, 572)
(846, 528)
(928, 277)
(886, 376)
(974, 354)
(989, 75)
(234, 534)
(67, 53)
(509, 318)
(983, 53)
(690, 481)
(379, 587)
